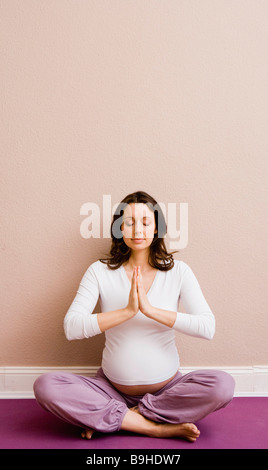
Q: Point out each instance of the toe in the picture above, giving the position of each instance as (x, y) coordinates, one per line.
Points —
(195, 430)
(89, 433)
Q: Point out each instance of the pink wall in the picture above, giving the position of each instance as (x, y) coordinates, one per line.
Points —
(101, 97)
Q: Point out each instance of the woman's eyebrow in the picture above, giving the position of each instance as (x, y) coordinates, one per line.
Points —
(144, 217)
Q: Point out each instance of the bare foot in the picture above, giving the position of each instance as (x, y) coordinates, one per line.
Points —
(87, 433)
(187, 431)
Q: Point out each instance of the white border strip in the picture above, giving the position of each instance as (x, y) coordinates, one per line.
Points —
(17, 382)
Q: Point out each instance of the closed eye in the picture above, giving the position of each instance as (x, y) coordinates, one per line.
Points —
(146, 224)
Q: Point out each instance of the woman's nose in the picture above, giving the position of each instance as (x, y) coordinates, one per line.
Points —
(138, 229)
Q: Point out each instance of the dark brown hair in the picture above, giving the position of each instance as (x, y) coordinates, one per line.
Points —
(158, 256)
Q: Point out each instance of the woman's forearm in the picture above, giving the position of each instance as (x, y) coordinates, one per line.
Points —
(166, 317)
(202, 325)
(113, 318)
(83, 325)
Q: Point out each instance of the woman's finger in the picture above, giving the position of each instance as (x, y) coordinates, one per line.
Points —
(133, 275)
(134, 278)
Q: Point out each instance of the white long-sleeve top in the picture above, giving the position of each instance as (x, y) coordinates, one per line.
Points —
(139, 350)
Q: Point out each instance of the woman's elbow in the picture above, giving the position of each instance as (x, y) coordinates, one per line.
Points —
(211, 328)
(76, 330)
(210, 335)
(67, 331)
(70, 329)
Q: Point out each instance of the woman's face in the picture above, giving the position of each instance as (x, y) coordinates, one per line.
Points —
(138, 226)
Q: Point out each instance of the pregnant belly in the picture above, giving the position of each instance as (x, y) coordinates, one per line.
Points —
(141, 389)
(136, 366)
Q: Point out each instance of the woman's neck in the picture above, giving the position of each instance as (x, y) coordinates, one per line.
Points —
(139, 258)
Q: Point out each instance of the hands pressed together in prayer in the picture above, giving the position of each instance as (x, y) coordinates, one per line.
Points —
(137, 297)
(138, 301)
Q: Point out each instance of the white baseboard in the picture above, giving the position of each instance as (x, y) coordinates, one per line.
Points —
(17, 382)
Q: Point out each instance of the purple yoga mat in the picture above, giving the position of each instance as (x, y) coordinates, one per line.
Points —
(243, 424)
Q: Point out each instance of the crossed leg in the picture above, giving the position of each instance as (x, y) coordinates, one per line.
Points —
(94, 404)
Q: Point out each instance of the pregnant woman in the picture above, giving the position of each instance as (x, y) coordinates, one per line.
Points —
(139, 387)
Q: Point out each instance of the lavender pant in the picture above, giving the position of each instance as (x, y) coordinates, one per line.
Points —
(94, 402)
